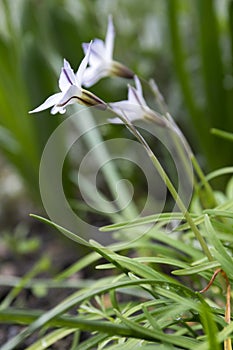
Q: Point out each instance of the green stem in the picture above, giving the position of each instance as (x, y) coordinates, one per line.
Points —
(169, 185)
(209, 192)
(208, 189)
(181, 205)
(28, 317)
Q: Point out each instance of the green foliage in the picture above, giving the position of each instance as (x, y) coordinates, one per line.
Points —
(32, 51)
(145, 292)
(139, 302)
(18, 241)
(208, 31)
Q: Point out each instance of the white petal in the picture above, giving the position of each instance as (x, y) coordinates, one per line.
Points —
(132, 95)
(138, 85)
(66, 64)
(125, 108)
(93, 74)
(121, 105)
(135, 97)
(109, 40)
(51, 101)
(67, 77)
(97, 52)
(56, 110)
(85, 47)
(83, 66)
(70, 96)
(115, 121)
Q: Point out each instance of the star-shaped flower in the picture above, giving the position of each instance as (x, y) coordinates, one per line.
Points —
(135, 107)
(101, 63)
(70, 85)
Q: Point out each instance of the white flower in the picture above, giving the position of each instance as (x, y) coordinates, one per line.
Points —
(135, 107)
(70, 85)
(101, 63)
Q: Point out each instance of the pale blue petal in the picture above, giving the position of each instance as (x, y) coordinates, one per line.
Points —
(138, 85)
(67, 77)
(51, 101)
(115, 121)
(135, 97)
(97, 53)
(83, 66)
(127, 109)
(94, 74)
(57, 109)
(109, 40)
(74, 92)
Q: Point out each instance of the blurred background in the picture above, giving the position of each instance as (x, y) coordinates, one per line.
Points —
(186, 46)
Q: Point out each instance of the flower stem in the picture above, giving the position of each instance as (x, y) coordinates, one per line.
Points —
(168, 183)
(209, 192)
(211, 201)
(181, 205)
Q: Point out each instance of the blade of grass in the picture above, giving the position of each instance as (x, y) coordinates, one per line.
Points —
(92, 342)
(67, 304)
(183, 342)
(223, 134)
(197, 269)
(162, 217)
(51, 338)
(209, 326)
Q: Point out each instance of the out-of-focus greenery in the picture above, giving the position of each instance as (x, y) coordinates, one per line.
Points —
(186, 46)
(139, 302)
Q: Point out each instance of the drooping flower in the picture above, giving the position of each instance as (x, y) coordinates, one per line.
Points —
(70, 85)
(135, 107)
(101, 63)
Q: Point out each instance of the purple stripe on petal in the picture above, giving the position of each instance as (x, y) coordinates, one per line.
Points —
(67, 76)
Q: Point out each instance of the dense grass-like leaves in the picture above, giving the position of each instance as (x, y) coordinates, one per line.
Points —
(142, 291)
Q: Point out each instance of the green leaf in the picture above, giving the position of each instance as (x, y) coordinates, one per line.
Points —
(156, 260)
(223, 213)
(219, 252)
(92, 342)
(51, 338)
(196, 269)
(223, 134)
(161, 337)
(65, 232)
(209, 325)
(182, 246)
(162, 217)
(73, 300)
(219, 172)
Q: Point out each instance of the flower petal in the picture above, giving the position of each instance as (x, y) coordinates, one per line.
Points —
(138, 85)
(109, 40)
(51, 101)
(115, 121)
(57, 109)
(97, 52)
(83, 66)
(67, 77)
(93, 74)
(134, 97)
(71, 96)
(127, 109)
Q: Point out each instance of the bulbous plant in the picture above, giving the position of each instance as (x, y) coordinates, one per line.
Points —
(163, 312)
